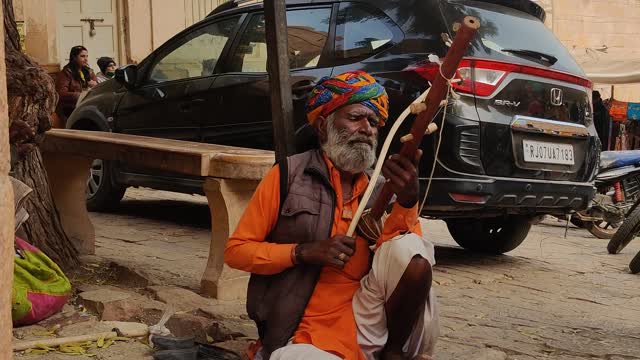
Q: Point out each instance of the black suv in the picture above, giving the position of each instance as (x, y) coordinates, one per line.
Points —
(518, 141)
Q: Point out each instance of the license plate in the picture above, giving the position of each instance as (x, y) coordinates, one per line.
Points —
(548, 153)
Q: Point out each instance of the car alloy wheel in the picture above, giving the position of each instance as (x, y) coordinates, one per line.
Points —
(96, 177)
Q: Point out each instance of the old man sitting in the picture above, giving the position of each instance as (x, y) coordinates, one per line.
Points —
(315, 293)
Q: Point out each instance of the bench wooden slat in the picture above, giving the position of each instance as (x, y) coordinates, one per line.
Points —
(184, 157)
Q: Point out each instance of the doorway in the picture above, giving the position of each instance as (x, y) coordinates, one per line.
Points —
(91, 23)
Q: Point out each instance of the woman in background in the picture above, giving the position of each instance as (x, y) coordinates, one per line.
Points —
(75, 78)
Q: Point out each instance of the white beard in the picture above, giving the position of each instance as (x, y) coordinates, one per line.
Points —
(351, 153)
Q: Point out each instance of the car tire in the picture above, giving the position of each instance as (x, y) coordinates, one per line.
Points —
(626, 232)
(102, 192)
(490, 235)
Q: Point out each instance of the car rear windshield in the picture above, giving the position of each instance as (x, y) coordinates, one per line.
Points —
(506, 28)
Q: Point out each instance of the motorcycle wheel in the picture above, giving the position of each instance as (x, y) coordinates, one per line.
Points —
(601, 229)
(626, 232)
(634, 265)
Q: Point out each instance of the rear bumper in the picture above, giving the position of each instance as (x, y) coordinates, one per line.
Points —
(495, 197)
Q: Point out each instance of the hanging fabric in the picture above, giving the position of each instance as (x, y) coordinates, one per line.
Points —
(619, 110)
(622, 140)
(633, 111)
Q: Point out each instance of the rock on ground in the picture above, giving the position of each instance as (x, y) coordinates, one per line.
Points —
(182, 325)
(181, 299)
(121, 305)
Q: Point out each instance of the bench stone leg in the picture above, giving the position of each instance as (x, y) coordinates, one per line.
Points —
(68, 181)
(228, 199)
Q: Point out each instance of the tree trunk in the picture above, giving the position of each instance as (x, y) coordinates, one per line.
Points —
(32, 98)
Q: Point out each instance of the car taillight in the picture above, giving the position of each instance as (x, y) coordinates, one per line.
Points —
(483, 77)
(477, 80)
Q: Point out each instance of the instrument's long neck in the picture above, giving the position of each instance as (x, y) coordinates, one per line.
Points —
(436, 94)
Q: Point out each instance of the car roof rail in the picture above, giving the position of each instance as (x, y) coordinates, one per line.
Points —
(232, 5)
(530, 7)
(228, 5)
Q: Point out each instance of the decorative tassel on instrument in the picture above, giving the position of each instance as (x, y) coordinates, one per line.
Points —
(427, 105)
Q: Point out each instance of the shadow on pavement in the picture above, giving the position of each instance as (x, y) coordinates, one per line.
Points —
(173, 211)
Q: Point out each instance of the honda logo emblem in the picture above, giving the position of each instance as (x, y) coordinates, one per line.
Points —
(556, 97)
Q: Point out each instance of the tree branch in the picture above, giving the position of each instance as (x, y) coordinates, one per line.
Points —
(11, 35)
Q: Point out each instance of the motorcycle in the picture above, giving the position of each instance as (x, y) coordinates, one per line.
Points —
(626, 232)
(617, 194)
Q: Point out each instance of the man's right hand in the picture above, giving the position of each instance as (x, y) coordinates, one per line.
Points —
(335, 251)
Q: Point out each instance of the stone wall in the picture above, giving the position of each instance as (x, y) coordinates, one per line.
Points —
(151, 23)
(599, 29)
(146, 25)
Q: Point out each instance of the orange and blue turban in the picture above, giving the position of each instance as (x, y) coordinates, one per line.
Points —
(355, 87)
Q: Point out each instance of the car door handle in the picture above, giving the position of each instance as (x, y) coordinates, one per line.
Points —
(190, 104)
(302, 86)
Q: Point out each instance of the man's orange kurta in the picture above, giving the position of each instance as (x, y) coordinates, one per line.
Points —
(328, 322)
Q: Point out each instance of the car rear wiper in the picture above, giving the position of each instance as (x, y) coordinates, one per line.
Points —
(535, 54)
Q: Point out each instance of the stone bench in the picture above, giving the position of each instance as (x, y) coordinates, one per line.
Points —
(230, 176)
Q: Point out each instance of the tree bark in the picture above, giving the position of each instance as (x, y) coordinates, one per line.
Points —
(32, 98)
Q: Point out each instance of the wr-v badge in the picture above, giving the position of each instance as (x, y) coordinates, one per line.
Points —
(507, 103)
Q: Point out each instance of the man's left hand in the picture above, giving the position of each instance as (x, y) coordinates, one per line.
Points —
(402, 174)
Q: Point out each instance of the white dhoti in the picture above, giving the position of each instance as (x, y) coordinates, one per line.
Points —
(389, 263)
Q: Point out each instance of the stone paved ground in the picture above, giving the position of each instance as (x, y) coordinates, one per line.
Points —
(552, 298)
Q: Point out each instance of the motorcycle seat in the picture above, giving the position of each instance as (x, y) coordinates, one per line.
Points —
(617, 159)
